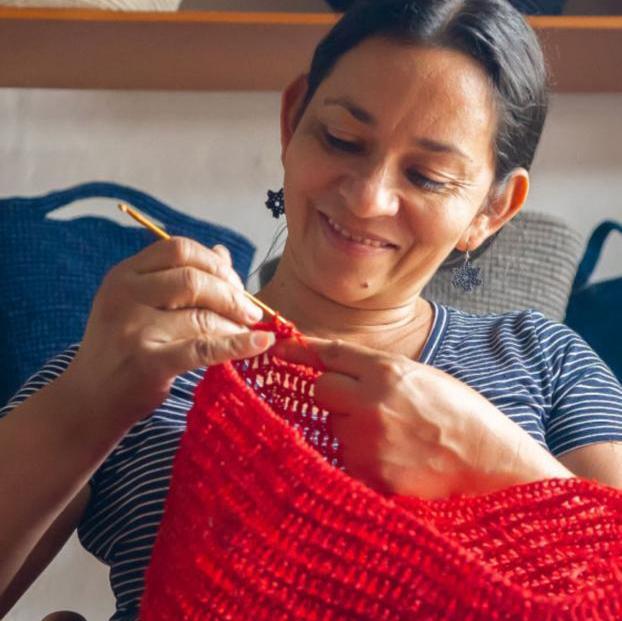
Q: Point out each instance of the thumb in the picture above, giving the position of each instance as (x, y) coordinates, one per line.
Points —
(298, 351)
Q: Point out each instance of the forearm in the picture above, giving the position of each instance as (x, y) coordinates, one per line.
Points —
(50, 446)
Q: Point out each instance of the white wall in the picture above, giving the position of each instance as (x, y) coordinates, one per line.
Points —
(214, 155)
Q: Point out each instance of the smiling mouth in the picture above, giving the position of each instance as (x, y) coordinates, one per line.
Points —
(353, 237)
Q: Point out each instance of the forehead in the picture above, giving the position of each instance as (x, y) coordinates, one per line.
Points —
(440, 93)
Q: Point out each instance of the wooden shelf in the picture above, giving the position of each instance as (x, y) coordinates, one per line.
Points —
(584, 53)
(216, 50)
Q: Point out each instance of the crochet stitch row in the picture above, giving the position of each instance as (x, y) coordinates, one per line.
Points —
(261, 523)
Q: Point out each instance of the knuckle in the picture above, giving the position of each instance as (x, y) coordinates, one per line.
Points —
(191, 279)
(180, 249)
(390, 369)
(224, 250)
(237, 346)
(136, 354)
(232, 301)
(384, 419)
(203, 321)
(205, 350)
(333, 350)
(137, 338)
(220, 269)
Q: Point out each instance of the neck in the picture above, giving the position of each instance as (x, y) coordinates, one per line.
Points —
(400, 329)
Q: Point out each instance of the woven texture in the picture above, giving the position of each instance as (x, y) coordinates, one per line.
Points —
(261, 523)
(531, 264)
(51, 269)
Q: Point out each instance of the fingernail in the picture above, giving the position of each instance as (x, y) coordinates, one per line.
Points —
(263, 340)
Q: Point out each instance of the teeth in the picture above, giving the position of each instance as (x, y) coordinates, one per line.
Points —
(360, 240)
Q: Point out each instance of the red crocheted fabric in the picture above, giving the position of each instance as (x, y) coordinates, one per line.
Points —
(261, 523)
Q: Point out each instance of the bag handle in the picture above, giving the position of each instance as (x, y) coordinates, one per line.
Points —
(103, 189)
(592, 252)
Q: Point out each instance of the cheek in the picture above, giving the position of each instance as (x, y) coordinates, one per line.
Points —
(437, 222)
(307, 165)
(310, 162)
(309, 179)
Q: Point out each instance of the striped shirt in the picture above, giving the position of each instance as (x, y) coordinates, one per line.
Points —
(539, 373)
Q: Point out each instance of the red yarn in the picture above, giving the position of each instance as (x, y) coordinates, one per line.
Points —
(260, 525)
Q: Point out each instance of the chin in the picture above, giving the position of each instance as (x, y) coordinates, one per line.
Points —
(344, 289)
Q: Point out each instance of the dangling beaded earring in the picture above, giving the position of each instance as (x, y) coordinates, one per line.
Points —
(276, 203)
(466, 277)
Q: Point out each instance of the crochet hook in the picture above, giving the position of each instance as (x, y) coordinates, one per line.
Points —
(164, 235)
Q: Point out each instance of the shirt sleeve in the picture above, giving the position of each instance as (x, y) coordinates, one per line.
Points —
(50, 371)
(586, 397)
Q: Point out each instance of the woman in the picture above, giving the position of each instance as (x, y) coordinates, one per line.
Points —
(410, 138)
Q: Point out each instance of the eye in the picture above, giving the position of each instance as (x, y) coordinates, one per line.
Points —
(342, 145)
(425, 182)
(415, 177)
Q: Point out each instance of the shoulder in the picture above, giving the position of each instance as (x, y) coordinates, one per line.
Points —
(526, 341)
(522, 341)
(521, 328)
(515, 326)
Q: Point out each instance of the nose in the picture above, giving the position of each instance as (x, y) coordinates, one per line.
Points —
(370, 194)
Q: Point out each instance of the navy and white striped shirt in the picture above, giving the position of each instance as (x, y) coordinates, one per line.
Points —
(539, 373)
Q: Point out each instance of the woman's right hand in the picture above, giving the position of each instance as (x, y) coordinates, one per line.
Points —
(173, 307)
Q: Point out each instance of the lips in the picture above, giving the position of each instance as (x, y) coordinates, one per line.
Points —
(365, 239)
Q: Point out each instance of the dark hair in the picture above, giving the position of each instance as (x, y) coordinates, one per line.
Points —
(492, 32)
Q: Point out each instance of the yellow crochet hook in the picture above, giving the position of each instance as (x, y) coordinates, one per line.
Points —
(164, 235)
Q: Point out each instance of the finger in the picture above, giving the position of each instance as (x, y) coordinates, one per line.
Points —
(336, 391)
(333, 355)
(297, 352)
(189, 287)
(196, 322)
(339, 394)
(180, 252)
(185, 355)
(225, 255)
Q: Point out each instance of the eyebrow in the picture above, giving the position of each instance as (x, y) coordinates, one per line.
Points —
(365, 117)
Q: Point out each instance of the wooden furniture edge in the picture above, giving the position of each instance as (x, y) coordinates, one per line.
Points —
(568, 22)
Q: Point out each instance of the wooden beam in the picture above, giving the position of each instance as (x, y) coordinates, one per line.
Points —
(219, 50)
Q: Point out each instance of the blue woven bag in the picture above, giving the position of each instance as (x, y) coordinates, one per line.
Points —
(51, 269)
(594, 310)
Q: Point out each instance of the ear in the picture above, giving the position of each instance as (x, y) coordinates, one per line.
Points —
(503, 204)
(291, 110)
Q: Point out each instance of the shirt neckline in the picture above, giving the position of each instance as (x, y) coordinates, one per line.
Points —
(435, 337)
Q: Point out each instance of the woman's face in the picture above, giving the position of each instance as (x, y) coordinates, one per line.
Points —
(387, 171)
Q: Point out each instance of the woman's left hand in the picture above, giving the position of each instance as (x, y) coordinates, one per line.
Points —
(408, 428)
